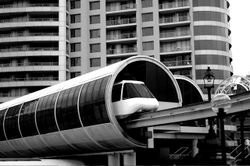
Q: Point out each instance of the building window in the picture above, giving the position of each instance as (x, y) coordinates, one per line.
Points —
(148, 45)
(148, 31)
(75, 74)
(94, 33)
(146, 3)
(75, 61)
(75, 4)
(75, 32)
(74, 47)
(147, 17)
(210, 16)
(95, 48)
(95, 62)
(94, 5)
(95, 19)
(75, 18)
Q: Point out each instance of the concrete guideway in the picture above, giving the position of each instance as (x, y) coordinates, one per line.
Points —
(240, 103)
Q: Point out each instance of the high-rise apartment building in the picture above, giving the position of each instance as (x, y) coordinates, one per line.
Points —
(43, 42)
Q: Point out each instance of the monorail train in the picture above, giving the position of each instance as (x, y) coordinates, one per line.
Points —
(77, 116)
(129, 96)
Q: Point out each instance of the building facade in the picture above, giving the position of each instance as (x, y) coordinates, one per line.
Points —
(44, 42)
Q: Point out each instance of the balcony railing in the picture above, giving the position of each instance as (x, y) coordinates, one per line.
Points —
(173, 4)
(27, 34)
(121, 36)
(29, 49)
(29, 79)
(173, 19)
(120, 7)
(173, 49)
(121, 21)
(121, 51)
(29, 64)
(177, 63)
(166, 34)
(29, 5)
(27, 20)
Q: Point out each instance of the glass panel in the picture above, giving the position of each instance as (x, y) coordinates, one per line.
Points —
(11, 122)
(94, 5)
(211, 45)
(147, 17)
(210, 30)
(45, 114)
(2, 137)
(146, 3)
(92, 103)
(27, 119)
(66, 109)
(215, 3)
(209, 16)
(148, 45)
(136, 90)
(116, 92)
(95, 19)
(147, 31)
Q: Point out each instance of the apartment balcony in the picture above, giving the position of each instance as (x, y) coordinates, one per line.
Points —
(29, 79)
(10, 35)
(170, 34)
(177, 63)
(175, 49)
(122, 51)
(174, 19)
(19, 49)
(121, 38)
(24, 5)
(28, 20)
(123, 21)
(123, 7)
(176, 4)
(28, 64)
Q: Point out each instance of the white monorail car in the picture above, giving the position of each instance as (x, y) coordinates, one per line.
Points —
(76, 116)
(129, 96)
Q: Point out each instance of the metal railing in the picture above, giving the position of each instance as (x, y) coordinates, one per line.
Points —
(15, 49)
(110, 8)
(121, 36)
(174, 19)
(27, 20)
(29, 79)
(173, 4)
(121, 51)
(180, 153)
(173, 49)
(27, 34)
(29, 5)
(29, 64)
(121, 21)
(174, 33)
(177, 63)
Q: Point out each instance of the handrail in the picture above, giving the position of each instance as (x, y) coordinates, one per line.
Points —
(29, 5)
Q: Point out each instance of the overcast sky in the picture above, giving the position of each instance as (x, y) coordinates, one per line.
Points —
(240, 36)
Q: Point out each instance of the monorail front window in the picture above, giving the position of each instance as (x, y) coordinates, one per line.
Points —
(131, 90)
(116, 93)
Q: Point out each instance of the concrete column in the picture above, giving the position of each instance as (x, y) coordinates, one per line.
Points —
(194, 147)
(129, 159)
(114, 159)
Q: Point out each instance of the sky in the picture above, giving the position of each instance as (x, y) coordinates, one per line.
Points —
(239, 11)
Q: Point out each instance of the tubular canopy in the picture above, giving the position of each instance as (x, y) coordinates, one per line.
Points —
(76, 116)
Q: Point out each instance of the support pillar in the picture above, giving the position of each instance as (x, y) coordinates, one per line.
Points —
(194, 147)
(242, 137)
(129, 159)
(114, 159)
